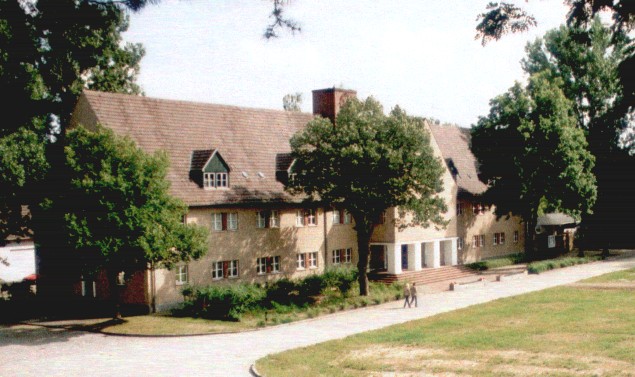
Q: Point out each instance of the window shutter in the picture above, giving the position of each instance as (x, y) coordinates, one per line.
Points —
(341, 216)
(225, 269)
(267, 218)
(305, 218)
(269, 264)
(315, 216)
(224, 216)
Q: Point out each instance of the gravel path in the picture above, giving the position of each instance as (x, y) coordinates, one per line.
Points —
(35, 351)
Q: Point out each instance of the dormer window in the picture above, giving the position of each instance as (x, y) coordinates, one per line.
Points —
(209, 169)
(214, 180)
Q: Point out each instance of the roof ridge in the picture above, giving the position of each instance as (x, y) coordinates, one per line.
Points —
(196, 103)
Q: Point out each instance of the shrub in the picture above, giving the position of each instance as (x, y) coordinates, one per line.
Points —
(284, 292)
(341, 278)
(507, 260)
(222, 302)
(542, 266)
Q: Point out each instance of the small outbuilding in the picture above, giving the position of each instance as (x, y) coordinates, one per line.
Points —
(555, 232)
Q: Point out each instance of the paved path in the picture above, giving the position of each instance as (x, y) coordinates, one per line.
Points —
(30, 351)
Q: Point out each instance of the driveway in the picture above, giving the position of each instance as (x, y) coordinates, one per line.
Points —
(34, 351)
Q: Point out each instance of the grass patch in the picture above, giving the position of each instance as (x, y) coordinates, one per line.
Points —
(556, 332)
(619, 276)
(167, 325)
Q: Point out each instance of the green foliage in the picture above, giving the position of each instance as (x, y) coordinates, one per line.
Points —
(497, 262)
(117, 209)
(341, 278)
(23, 167)
(542, 266)
(367, 163)
(222, 302)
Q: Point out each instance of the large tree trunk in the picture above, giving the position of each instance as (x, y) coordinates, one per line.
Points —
(115, 291)
(530, 233)
(363, 247)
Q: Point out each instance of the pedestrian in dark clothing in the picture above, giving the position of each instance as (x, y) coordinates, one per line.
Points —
(406, 293)
(413, 294)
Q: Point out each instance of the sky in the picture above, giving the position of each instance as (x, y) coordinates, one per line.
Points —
(421, 54)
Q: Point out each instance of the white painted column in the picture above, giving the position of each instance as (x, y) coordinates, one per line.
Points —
(433, 254)
(455, 252)
(414, 256)
(393, 254)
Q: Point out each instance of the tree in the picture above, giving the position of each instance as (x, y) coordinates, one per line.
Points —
(533, 155)
(586, 61)
(118, 213)
(368, 162)
(292, 102)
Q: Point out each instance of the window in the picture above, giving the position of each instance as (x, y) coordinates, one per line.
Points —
(181, 275)
(382, 218)
(347, 217)
(215, 180)
(336, 256)
(268, 219)
(224, 269)
(337, 218)
(478, 208)
(348, 256)
(342, 256)
(217, 270)
(516, 236)
(305, 217)
(301, 261)
(299, 218)
(459, 243)
(268, 265)
(310, 217)
(499, 238)
(459, 208)
(224, 221)
(478, 241)
(313, 259)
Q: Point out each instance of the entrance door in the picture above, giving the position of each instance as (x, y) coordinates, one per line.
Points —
(377, 257)
(404, 257)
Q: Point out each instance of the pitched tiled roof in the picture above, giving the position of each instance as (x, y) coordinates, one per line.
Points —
(200, 158)
(454, 143)
(250, 141)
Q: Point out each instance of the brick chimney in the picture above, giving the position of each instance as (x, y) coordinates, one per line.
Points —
(327, 102)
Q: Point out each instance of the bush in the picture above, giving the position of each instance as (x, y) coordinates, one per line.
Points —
(341, 278)
(283, 292)
(222, 302)
(542, 266)
(497, 262)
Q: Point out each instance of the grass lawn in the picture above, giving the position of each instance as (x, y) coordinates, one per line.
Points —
(626, 276)
(563, 331)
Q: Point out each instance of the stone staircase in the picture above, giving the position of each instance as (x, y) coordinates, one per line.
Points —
(428, 275)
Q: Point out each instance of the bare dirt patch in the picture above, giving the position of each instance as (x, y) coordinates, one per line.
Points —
(403, 361)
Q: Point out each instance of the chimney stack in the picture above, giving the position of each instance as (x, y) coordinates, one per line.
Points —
(327, 102)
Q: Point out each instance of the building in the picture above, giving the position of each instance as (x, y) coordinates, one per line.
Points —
(229, 165)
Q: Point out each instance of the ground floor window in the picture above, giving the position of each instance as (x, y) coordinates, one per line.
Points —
(268, 265)
(342, 256)
(459, 243)
(181, 275)
(499, 238)
(225, 269)
(478, 240)
(301, 261)
(516, 237)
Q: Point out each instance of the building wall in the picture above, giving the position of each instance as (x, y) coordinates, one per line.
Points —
(486, 224)
(248, 242)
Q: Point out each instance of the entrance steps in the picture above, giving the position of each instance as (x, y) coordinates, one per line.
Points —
(427, 275)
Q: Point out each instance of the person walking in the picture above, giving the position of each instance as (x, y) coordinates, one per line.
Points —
(406, 294)
(413, 294)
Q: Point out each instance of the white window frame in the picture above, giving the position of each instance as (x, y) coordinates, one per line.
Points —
(261, 266)
(336, 216)
(501, 240)
(274, 219)
(217, 270)
(347, 217)
(481, 238)
(209, 180)
(311, 217)
(336, 258)
(301, 261)
(260, 219)
(348, 255)
(221, 180)
(516, 236)
(459, 208)
(313, 259)
(299, 218)
(181, 275)
(232, 221)
(232, 269)
(275, 264)
(217, 221)
(459, 243)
